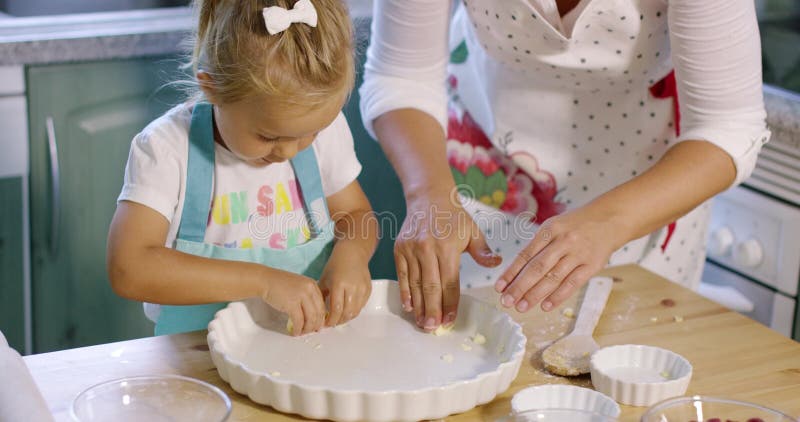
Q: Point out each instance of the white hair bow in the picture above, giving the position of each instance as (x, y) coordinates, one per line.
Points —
(278, 19)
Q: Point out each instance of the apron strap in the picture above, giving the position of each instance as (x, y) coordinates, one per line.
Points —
(200, 179)
(306, 171)
(199, 175)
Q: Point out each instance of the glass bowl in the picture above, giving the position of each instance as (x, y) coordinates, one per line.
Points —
(704, 409)
(152, 398)
(557, 415)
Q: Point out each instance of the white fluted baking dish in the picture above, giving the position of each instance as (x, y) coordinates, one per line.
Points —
(639, 375)
(378, 367)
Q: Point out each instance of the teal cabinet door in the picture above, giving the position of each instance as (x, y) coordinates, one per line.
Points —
(12, 322)
(377, 178)
(82, 120)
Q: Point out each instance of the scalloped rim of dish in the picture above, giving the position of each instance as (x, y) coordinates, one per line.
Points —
(512, 365)
(213, 388)
(573, 391)
(638, 393)
(664, 404)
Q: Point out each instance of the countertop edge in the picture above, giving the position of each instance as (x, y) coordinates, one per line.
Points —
(104, 36)
(92, 48)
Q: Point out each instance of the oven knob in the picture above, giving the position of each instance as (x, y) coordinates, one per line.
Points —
(749, 253)
(720, 242)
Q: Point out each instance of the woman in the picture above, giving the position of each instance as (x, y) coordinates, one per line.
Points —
(574, 103)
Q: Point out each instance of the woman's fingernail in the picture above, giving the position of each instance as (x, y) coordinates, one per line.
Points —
(430, 323)
(500, 285)
(407, 306)
(420, 319)
(507, 300)
(449, 318)
(547, 305)
(522, 305)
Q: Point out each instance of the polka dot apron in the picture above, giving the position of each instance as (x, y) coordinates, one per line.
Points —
(543, 118)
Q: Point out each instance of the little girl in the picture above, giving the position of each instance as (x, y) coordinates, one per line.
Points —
(240, 192)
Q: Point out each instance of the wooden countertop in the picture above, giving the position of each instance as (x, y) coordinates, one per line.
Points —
(732, 355)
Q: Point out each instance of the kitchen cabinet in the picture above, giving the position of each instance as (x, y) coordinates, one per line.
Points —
(11, 262)
(14, 252)
(82, 118)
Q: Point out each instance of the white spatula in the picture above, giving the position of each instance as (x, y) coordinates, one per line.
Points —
(570, 355)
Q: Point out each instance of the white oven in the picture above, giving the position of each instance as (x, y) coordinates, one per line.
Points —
(753, 263)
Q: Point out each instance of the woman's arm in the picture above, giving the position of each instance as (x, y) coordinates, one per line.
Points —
(716, 52)
(141, 268)
(404, 104)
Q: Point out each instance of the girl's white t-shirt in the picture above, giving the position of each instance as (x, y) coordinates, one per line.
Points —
(251, 206)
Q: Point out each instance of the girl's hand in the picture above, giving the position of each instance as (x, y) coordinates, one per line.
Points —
(567, 250)
(347, 284)
(299, 297)
(427, 251)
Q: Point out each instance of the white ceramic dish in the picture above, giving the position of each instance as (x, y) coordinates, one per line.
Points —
(568, 397)
(639, 375)
(154, 398)
(378, 367)
(557, 415)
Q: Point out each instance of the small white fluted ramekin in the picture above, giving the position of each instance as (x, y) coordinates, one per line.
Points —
(638, 364)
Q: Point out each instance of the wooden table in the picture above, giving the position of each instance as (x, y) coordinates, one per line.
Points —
(732, 355)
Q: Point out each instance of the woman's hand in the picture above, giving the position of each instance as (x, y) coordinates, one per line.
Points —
(299, 297)
(347, 284)
(427, 251)
(567, 250)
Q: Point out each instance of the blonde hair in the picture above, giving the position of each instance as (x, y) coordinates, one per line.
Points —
(302, 65)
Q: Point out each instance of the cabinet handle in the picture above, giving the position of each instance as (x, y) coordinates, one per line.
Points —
(55, 180)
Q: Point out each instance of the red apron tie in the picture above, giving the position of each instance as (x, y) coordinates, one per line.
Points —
(668, 88)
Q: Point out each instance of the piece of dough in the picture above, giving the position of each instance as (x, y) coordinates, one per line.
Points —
(443, 330)
(479, 338)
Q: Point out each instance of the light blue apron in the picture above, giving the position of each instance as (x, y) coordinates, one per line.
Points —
(307, 258)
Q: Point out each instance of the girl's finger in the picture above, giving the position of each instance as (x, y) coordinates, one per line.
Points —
(350, 306)
(337, 306)
(542, 238)
(319, 304)
(297, 319)
(402, 279)
(311, 316)
(577, 278)
(547, 284)
(539, 267)
(362, 297)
